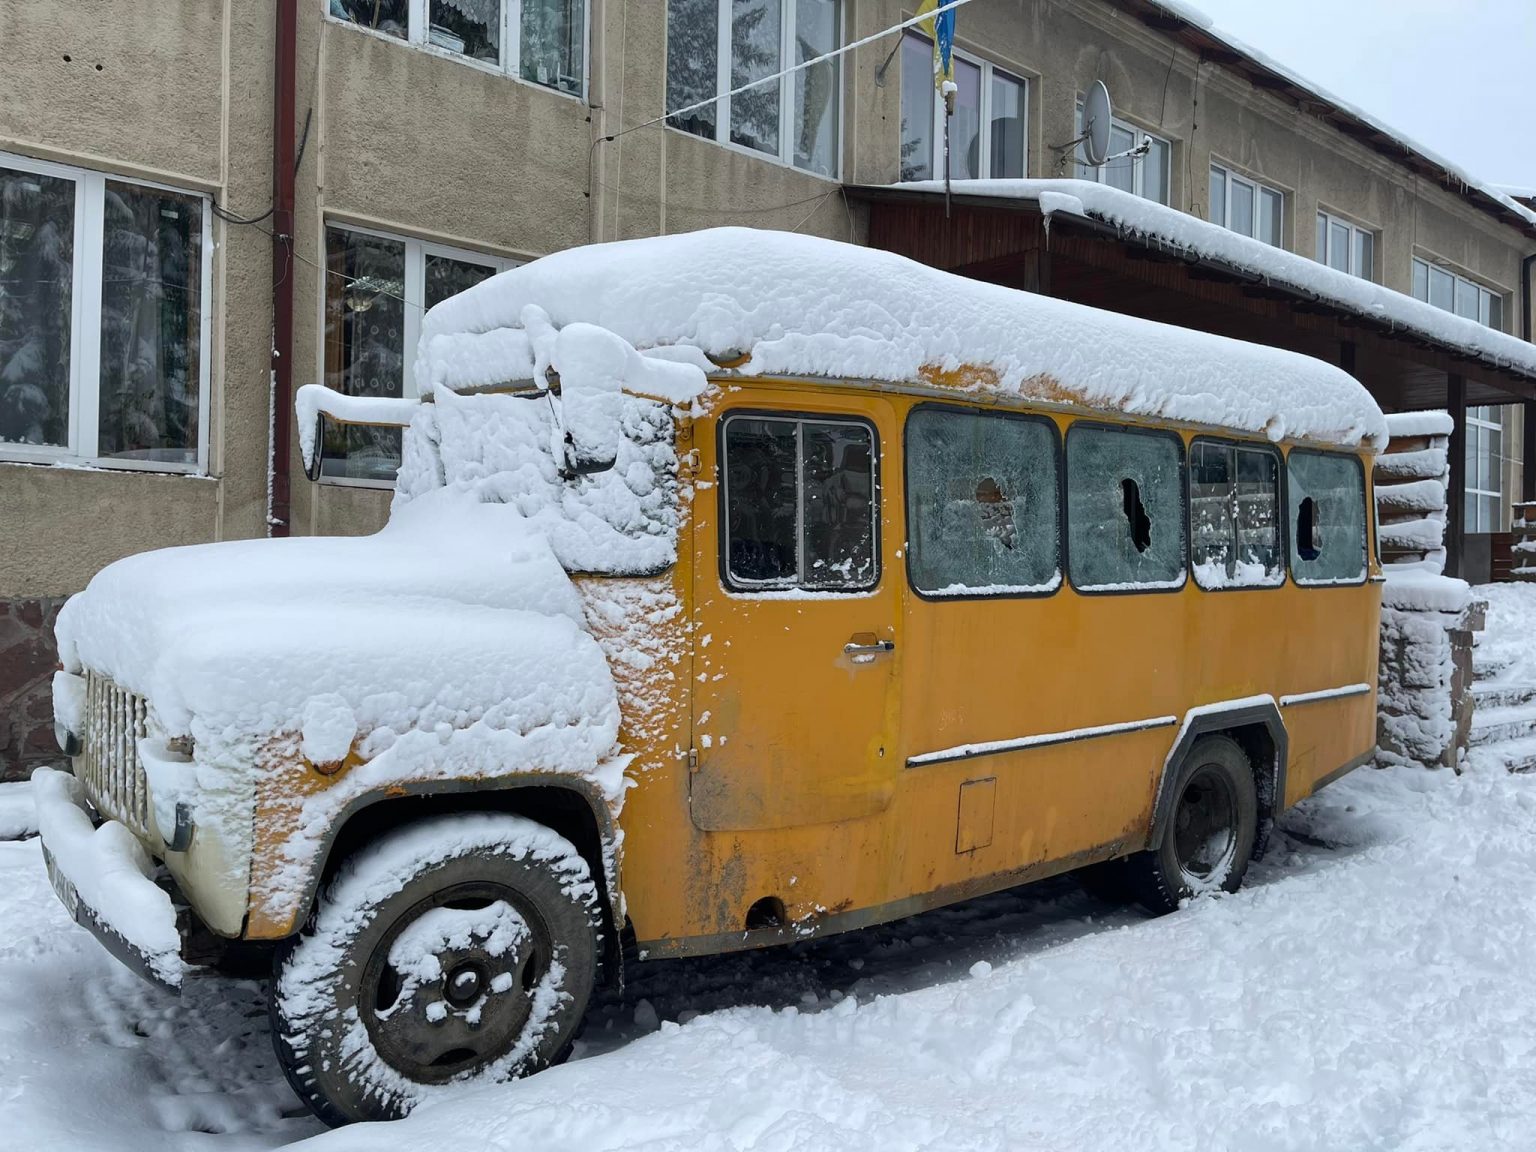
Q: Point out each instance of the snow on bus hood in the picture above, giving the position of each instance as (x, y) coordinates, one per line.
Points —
(456, 615)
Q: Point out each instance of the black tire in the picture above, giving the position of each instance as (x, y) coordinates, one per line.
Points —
(460, 949)
(1212, 826)
(1106, 880)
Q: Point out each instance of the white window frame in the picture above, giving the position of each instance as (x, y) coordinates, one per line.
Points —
(1259, 188)
(1328, 220)
(723, 85)
(984, 152)
(419, 26)
(416, 253)
(1496, 467)
(1095, 172)
(84, 440)
(1458, 281)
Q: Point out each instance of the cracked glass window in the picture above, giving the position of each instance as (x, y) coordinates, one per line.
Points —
(801, 503)
(1125, 509)
(1327, 518)
(983, 493)
(1234, 516)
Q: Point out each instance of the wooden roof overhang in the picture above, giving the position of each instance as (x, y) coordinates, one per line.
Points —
(1009, 241)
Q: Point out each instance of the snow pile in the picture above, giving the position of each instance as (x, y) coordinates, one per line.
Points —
(1201, 238)
(18, 814)
(782, 303)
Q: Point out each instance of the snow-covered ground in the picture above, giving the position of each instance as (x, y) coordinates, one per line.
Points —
(1370, 988)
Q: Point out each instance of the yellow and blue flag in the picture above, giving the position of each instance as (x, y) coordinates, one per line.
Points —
(941, 30)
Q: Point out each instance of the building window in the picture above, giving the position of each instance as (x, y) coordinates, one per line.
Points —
(987, 134)
(1346, 247)
(983, 500)
(540, 41)
(715, 46)
(1445, 289)
(801, 503)
(105, 305)
(1146, 176)
(376, 289)
(1486, 458)
(1246, 206)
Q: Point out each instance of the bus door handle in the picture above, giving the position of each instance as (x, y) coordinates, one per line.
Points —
(867, 646)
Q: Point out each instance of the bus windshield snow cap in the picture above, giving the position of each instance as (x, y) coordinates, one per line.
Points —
(584, 369)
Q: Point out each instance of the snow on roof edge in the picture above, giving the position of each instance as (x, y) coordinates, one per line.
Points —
(1125, 209)
(1495, 192)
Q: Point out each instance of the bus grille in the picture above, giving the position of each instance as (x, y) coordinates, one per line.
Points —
(111, 772)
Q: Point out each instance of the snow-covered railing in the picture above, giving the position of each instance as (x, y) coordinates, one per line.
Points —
(1523, 550)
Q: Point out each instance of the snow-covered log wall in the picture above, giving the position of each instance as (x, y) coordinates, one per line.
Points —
(1427, 618)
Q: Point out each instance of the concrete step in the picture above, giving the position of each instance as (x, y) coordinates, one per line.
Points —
(1513, 755)
(1488, 667)
(1500, 694)
(1498, 725)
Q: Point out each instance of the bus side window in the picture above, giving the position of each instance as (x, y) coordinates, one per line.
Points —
(1125, 509)
(801, 503)
(1327, 497)
(1234, 513)
(983, 503)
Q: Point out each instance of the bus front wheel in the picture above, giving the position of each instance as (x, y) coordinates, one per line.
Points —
(454, 951)
(1211, 829)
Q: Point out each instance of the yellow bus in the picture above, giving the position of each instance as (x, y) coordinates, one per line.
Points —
(739, 588)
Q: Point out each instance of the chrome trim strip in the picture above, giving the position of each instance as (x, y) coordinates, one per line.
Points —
(1041, 740)
(1325, 694)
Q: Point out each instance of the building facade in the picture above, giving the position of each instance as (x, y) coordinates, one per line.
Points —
(147, 248)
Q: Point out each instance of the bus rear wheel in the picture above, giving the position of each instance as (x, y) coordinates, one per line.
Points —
(458, 950)
(1211, 830)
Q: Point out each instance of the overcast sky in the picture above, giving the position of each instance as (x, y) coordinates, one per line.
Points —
(1458, 76)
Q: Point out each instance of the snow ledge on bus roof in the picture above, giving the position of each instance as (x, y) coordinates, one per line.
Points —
(1210, 241)
(801, 305)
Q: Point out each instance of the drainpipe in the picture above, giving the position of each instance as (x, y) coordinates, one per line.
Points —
(284, 99)
(1528, 468)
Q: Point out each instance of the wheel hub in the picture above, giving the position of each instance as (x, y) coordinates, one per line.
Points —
(450, 987)
(1205, 828)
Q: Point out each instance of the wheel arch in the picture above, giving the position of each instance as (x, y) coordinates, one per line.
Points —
(571, 806)
(1257, 728)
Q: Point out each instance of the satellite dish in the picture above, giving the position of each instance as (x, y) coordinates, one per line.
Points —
(1096, 118)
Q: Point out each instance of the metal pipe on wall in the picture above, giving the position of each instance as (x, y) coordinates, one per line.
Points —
(284, 102)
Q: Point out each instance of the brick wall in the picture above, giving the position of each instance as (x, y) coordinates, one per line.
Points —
(28, 657)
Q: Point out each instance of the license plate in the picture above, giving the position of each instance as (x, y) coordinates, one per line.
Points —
(63, 887)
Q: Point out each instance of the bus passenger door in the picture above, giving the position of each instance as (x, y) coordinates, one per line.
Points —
(795, 653)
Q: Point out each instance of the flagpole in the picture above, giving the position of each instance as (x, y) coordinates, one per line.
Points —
(946, 159)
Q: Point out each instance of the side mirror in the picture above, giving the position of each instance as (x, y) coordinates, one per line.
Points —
(591, 362)
(314, 460)
(318, 408)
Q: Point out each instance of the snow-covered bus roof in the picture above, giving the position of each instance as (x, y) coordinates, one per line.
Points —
(1188, 234)
(785, 304)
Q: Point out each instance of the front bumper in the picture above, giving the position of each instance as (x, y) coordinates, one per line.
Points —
(104, 878)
